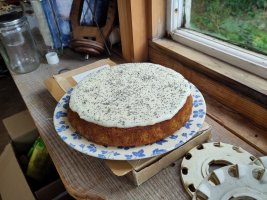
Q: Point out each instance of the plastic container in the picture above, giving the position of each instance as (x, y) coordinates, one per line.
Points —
(17, 46)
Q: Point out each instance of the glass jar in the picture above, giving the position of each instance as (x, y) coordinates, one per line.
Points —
(17, 46)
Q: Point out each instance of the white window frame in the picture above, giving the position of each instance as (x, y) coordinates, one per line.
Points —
(250, 61)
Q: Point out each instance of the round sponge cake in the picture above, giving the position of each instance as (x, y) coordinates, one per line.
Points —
(130, 104)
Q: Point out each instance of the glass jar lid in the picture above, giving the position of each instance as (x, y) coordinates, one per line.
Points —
(11, 19)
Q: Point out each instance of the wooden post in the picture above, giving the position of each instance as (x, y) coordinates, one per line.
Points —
(156, 20)
(133, 29)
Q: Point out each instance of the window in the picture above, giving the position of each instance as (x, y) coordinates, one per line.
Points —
(234, 31)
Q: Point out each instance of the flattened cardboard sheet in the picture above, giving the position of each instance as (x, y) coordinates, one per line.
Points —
(59, 84)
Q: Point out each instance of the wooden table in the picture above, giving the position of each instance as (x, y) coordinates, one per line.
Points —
(86, 177)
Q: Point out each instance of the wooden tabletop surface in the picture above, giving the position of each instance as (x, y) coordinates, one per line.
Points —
(86, 177)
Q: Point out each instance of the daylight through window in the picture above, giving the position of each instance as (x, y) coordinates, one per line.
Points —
(240, 23)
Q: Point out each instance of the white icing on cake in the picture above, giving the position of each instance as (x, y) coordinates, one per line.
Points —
(129, 95)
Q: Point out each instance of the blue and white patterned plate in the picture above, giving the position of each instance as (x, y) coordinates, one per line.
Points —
(74, 140)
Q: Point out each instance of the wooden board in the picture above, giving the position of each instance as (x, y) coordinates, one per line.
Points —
(240, 80)
(156, 17)
(252, 112)
(237, 124)
(133, 30)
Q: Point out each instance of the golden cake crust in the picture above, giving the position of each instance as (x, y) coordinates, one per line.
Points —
(134, 136)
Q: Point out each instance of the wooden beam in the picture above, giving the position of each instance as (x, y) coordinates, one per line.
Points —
(219, 91)
(237, 124)
(243, 82)
(156, 19)
(245, 118)
(133, 29)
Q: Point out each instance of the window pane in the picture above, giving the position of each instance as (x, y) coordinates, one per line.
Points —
(240, 22)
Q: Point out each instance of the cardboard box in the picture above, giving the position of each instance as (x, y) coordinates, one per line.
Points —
(22, 130)
(23, 133)
(137, 171)
(13, 184)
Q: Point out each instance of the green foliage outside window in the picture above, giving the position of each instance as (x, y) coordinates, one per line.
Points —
(240, 22)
